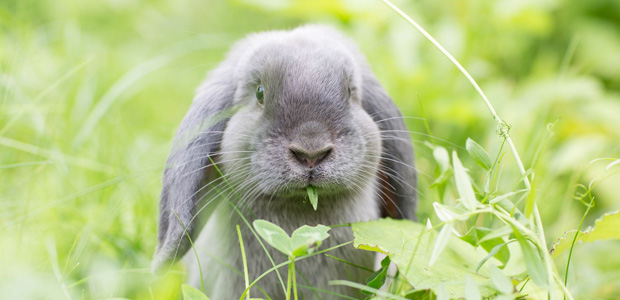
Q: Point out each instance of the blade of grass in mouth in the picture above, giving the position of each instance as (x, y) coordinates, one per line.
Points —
(313, 195)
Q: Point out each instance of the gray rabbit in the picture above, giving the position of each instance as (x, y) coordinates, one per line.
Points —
(285, 110)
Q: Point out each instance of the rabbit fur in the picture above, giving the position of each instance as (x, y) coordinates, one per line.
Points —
(323, 119)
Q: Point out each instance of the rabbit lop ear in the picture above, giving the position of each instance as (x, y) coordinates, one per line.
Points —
(397, 173)
(189, 168)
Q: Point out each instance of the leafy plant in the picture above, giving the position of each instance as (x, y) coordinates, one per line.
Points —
(304, 241)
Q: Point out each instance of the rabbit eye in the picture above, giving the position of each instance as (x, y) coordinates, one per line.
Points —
(260, 94)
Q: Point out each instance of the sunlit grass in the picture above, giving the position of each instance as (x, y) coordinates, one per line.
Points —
(92, 92)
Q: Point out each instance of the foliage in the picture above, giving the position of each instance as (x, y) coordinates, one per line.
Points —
(91, 93)
(303, 241)
(605, 228)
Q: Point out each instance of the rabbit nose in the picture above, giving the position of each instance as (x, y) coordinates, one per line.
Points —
(309, 157)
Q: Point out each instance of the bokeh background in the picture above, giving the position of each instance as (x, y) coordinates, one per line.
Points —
(91, 93)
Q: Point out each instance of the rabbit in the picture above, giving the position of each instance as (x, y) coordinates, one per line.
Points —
(285, 110)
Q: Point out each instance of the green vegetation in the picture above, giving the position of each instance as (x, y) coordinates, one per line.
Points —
(91, 93)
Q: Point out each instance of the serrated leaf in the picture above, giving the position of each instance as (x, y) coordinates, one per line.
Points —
(471, 289)
(307, 239)
(191, 293)
(313, 195)
(480, 156)
(605, 228)
(274, 236)
(501, 281)
(410, 246)
(463, 184)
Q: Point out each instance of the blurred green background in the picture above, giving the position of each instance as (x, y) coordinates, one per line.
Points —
(91, 93)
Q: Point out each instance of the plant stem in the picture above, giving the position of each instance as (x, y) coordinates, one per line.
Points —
(202, 281)
(570, 252)
(294, 280)
(274, 268)
(288, 281)
(245, 263)
(503, 126)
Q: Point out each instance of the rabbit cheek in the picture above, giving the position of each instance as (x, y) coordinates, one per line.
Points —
(369, 160)
(236, 147)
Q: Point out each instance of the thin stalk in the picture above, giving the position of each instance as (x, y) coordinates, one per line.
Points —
(202, 281)
(294, 281)
(288, 281)
(503, 126)
(551, 274)
(245, 263)
(570, 252)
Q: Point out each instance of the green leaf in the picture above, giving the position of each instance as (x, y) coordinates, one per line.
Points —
(500, 281)
(377, 279)
(441, 292)
(497, 250)
(533, 262)
(304, 240)
(307, 239)
(410, 245)
(605, 228)
(191, 293)
(442, 158)
(496, 233)
(480, 156)
(463, 184)
(506, 196)
(441, 242)
(471, 289)
(313, 195)
(449, 213)
(274, 236)
(530, 201)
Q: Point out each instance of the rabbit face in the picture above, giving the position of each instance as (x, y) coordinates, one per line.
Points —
(300, 123)
(286, 110)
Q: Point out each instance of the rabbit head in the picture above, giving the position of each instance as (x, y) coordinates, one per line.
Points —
(300, 123)
(286, 110)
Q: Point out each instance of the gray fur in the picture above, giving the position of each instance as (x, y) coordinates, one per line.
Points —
(325, 121)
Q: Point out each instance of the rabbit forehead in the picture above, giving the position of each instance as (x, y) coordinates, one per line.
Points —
(314, 52)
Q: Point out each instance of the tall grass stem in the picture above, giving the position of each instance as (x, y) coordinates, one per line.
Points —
(245, 263)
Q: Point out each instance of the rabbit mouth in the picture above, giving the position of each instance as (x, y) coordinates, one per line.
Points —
(299, 190)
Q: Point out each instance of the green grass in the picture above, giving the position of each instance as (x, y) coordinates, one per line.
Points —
(92, 92)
